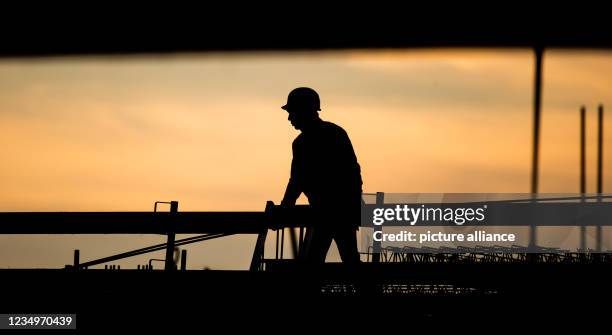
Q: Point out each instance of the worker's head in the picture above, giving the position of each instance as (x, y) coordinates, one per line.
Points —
(303, 106)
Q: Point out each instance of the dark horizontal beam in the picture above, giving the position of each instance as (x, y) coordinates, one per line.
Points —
(131, 222)
(314, 29)
(138, 44)
(152, 222)
(255, 222)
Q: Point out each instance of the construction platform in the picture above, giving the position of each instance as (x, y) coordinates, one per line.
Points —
(419, 291)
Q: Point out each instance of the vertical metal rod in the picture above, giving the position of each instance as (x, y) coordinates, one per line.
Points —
(282, 248)
(598, 240)
(257, 261)
(380, 201)
(277, 240)
(582, 171)
(169, 263)
(293, 242)
(301, 239)
(537, 104)
(183, 260)
(76, 259)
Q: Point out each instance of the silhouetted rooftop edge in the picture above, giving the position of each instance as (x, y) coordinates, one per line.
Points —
(375, 29)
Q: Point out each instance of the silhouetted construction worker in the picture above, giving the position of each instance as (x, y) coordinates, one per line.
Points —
(325, 169)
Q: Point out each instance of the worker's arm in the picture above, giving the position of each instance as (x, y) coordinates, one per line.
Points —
(292, 193)
(294, 188)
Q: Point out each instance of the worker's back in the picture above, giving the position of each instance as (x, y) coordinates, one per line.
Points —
(324, 163)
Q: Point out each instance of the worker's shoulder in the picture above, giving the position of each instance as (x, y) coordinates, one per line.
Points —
(333, 128)
(324, 132)
(298, 140)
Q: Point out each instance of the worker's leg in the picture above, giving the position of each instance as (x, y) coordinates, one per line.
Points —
(316, 243)
(346, 240)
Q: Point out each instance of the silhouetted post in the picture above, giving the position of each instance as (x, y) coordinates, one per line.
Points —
(258, 252)
(380, 201)
(277, 243)
(582, 171)
(537, 99)
(171, 237)
(300, 239)
(76, 259)
(183, 260)
(282, 242)
(598, 240)
(293, 240)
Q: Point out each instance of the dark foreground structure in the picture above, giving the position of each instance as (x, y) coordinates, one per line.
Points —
(387, 292)
(107, 299)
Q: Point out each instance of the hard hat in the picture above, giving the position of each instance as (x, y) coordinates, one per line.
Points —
(303, 98)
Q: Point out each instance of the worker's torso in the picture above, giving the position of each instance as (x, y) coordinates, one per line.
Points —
(327, 166)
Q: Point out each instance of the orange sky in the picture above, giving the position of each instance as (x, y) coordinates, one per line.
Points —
(118, 133)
